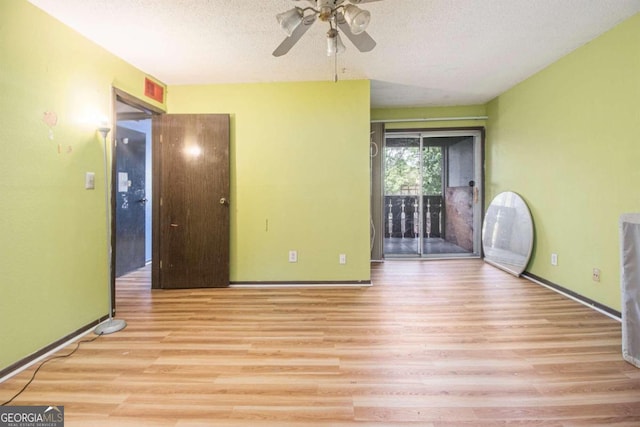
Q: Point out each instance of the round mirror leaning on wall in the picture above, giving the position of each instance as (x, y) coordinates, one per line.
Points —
(507, 233)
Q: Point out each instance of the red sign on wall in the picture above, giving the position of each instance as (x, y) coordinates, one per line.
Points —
(153, 90)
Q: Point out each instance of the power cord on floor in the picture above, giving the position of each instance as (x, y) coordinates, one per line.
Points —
(47, 361)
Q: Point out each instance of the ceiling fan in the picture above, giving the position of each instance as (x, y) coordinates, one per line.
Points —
(342, 15)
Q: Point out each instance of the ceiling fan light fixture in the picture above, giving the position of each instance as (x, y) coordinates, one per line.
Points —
(357, 18)
(290, 20)
(325, 9)
(334, 43)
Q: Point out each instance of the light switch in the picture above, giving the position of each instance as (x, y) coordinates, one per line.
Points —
(90, 181)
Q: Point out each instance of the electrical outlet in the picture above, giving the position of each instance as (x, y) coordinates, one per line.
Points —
(554, 259)
(342, 259)
(293, 256)
(596, 275)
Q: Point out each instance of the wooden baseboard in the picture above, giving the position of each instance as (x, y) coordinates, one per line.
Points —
(30, 358)
(337, 283)
(581, 298)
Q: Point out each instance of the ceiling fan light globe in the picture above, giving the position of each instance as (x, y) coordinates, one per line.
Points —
(334, 44)
(290, 20)
(357, 18)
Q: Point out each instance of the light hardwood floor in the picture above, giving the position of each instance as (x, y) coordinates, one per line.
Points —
(437, 343)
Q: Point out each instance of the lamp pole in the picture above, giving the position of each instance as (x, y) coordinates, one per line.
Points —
(111, 325)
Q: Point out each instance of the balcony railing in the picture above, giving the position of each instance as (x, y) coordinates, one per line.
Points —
(402, 216)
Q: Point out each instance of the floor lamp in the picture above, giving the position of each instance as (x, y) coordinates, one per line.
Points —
(111, 325)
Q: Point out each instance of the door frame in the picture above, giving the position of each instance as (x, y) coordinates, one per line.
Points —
(118, 95)
(478, 133)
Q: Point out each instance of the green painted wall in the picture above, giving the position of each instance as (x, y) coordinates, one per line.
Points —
(430, 113)
(52, 233)
(299, 160)
(566, 139)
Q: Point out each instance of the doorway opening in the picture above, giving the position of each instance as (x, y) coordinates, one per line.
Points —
(131, 186)
(132, 161)
(432, 194)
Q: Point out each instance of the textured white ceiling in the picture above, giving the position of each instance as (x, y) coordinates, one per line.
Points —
(429, 52)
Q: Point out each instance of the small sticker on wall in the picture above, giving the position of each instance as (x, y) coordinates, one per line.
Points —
(50, 118)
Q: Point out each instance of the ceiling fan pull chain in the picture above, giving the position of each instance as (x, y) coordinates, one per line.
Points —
(335, 61)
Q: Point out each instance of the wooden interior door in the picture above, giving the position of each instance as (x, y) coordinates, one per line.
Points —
(191, 227)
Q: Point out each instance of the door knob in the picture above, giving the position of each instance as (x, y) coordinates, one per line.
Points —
(143, 201)
(223, 201)
(173, 225)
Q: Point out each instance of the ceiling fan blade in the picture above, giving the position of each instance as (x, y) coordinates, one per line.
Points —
(362, 41)
(290, 41)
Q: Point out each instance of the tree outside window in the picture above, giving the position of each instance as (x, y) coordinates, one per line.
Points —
(402, 170)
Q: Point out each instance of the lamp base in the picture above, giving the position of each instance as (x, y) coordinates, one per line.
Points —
(110, 326)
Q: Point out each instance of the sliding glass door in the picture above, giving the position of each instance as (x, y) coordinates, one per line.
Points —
(402, 195)
(432, 184)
